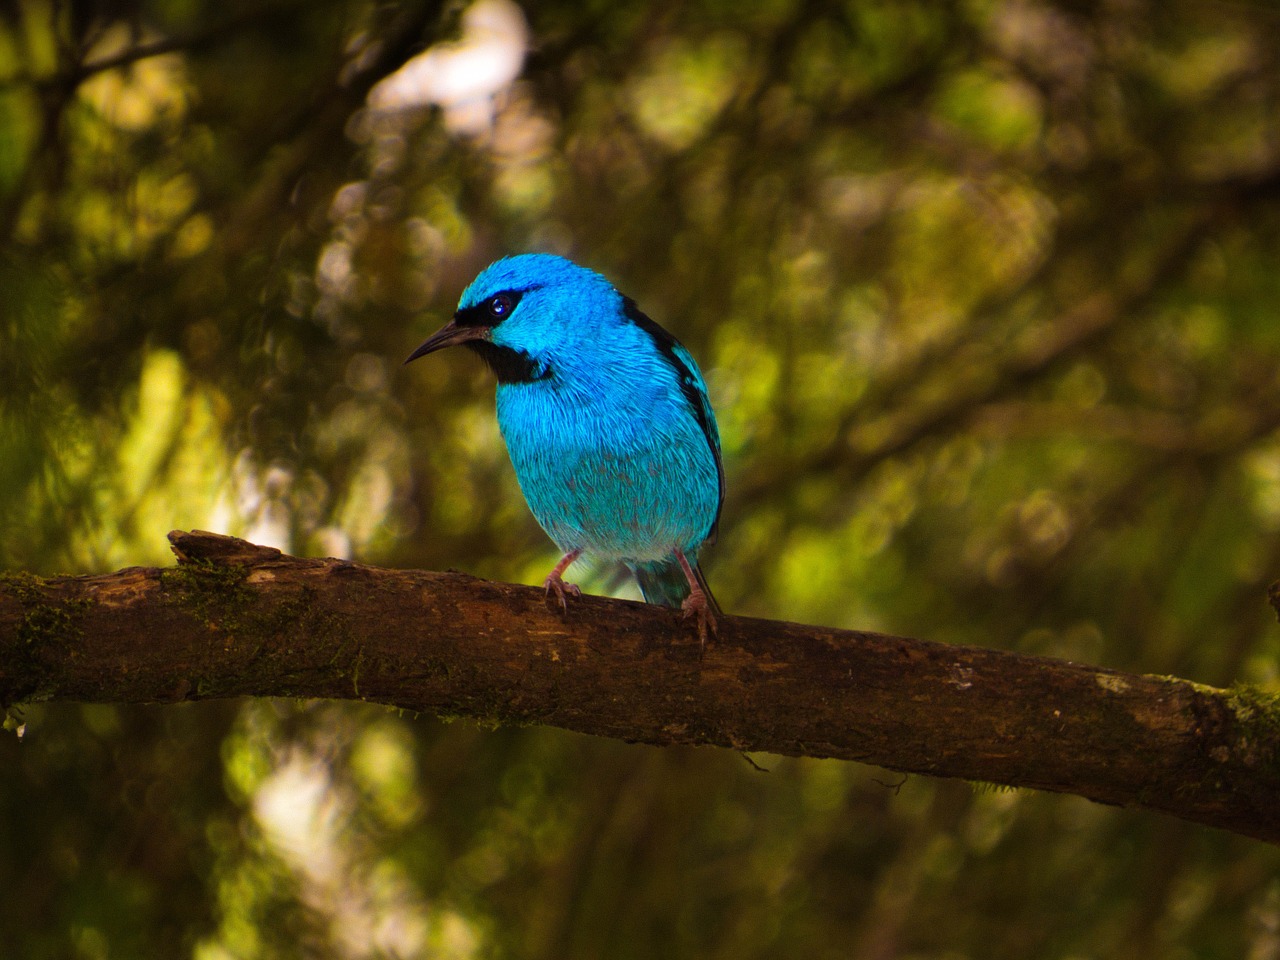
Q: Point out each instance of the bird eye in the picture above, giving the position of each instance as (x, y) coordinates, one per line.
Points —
(500, 306)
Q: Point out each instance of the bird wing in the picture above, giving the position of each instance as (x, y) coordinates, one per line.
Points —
(692, 386)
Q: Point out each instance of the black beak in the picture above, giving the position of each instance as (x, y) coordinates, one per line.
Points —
(447, 336)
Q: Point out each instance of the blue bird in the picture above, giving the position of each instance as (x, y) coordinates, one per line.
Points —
(607, 422)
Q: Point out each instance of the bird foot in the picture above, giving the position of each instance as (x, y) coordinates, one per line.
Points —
(696, 605)
(555, 586)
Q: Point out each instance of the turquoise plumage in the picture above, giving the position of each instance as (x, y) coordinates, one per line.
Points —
(607, 421)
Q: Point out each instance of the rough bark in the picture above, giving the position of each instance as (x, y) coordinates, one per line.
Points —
(233, 619)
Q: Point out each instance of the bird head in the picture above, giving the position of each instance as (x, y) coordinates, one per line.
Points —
(522, 312)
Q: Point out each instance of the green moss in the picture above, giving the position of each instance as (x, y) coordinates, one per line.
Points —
(278, 617)
(50, 627)
(213, 591)
(26, 588)
(1202, 688)
(217, 595)
(1258, 718)
(492, 711)
(58, 622)
(45, 619)
(220, 596)
(985, 786)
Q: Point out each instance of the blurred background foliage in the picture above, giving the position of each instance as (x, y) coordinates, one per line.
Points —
(986, 294)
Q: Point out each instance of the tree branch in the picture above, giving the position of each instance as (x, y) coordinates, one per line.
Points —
(233, 619)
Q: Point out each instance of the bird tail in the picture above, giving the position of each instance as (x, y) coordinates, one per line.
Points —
(663, 582)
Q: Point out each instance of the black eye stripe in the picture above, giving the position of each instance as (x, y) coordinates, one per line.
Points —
(489, 312)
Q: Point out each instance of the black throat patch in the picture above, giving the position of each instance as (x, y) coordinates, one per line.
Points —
(508, 365)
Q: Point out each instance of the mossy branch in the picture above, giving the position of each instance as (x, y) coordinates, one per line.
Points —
(233, 619)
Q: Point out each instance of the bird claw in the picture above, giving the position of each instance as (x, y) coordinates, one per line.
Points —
(554, 584)
(696, 605)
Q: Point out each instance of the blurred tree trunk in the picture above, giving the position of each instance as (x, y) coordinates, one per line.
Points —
(233, 619)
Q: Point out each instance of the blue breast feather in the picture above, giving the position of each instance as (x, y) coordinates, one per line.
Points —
(611, 458)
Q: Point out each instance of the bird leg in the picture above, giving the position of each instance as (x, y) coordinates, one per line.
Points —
(696, 603)
(554, 584)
